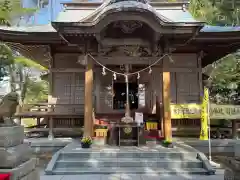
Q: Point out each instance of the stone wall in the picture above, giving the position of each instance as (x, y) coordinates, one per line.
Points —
(218, 147)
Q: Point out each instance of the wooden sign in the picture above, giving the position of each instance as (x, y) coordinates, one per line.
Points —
(224, 111)
(193, 111)
(185, 111)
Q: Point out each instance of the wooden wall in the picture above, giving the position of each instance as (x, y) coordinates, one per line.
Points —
(68, 79)
(185, 78)
(68, 83)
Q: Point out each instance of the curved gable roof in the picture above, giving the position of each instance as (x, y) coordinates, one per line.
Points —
(90, 13)
(123, 6)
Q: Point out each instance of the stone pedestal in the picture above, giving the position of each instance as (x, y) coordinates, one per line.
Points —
(15, 156)
(237, 149)
(99, 141)
(129, 134)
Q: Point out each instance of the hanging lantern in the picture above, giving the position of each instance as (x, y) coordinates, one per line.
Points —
(150, 70)
(138, 76)
(170, 58)
(114, 76)
(104, 71)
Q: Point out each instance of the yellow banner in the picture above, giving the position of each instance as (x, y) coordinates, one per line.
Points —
(185, 111)
(204, 116)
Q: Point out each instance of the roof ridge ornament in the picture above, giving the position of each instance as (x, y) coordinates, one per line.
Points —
(128, 26)
(107, 3)
(116, 1)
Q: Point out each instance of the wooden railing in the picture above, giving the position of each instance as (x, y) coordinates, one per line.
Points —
(44, 109)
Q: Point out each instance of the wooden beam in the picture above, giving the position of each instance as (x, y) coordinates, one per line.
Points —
(88, 108)
(67, 70)
(166, 106)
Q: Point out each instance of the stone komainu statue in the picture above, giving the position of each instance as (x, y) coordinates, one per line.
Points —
(8, 106)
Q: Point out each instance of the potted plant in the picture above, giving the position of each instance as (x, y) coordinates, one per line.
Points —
(167, 143)
(86, 142)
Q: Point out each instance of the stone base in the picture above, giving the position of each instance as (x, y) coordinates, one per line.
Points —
(99, 141)
(14, 156)
(152, 142)
(11, 136)
(237, 149)
(34, 175)
(25, 170)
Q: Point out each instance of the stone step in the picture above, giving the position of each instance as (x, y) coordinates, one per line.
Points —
(127, 170)
(154, 155)
(126, 162)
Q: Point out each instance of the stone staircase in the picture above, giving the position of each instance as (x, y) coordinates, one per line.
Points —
(138, 160)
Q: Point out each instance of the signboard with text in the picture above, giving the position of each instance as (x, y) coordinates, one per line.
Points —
(182, 111)
(193, 111)
(224, 111)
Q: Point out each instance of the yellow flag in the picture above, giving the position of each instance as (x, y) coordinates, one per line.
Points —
(204, 116)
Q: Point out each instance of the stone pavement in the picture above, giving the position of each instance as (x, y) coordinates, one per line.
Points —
(218, 176)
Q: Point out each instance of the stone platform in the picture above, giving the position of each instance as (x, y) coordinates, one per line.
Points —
(156, 159)
(219, 176)
(222, 147)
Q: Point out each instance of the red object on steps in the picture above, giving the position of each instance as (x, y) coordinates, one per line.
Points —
(5, 176)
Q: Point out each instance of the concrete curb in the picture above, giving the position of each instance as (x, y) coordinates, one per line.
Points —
(51, 164)
(200, 156)
(237, 149)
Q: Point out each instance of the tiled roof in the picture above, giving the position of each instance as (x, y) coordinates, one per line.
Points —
(42, 22)
(37, 28)
(208, 28)
(175, 14)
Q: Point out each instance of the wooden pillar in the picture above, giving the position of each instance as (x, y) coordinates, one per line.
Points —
(162, 120)
(166, 106)
(50, 133)
(38, 121)
(50, 123)
(88, 102)
(50, 108)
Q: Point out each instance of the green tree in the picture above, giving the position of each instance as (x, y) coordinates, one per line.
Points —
(31, 88)
(6, 59)
(225, 73)
(10, 10)
(215, 12)
(36, 91)
(225, 80)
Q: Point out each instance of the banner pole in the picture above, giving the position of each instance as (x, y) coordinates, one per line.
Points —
(209, 130)
(204, 116)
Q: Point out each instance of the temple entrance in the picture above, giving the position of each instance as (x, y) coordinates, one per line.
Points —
(119, 100)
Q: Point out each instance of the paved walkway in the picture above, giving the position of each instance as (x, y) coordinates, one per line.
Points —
(130, 177)
(218, 176)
